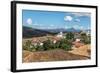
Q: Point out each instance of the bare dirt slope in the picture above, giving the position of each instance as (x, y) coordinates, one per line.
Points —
(83, 50)
(51, 55)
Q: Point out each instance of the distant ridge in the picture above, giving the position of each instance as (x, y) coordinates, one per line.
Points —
(73, 30)
(30, 32)
(33, 32)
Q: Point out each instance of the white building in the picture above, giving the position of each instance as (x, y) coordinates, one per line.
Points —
(60, 35)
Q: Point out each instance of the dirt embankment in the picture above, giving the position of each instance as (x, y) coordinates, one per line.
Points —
(84, 50)
(81, 53)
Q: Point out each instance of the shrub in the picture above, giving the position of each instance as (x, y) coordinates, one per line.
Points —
(65, 44)
(85, 39)
(57, 44)
(48, 44)
(39, 47)
(70, 36)
(26, 46)
(32, 48)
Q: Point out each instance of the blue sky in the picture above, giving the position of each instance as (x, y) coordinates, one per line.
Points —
(54, 20)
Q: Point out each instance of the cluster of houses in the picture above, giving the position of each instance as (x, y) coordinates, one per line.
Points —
(59, 36)
(39, 41)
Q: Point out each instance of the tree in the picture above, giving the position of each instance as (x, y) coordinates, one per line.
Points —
(70, 36)
(65, 44)
(85, 38)
(39, 47)
(27, 44)
(48, 44)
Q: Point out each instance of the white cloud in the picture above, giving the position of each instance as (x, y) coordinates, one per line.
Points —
(78, 20)
(68, 18)
(29, 21)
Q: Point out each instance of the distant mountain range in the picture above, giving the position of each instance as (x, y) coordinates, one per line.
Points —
(62, 30)
(33, 32)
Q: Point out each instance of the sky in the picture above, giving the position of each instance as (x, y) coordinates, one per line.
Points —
(56, 19)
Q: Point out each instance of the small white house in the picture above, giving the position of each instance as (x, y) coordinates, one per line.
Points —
(41, 44)
(60, 34)
(77, 40)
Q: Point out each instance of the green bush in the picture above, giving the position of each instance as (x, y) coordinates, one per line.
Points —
(32, 48)
(57, 44)
(26, 46)
(85, 38)
(65, 44)
(48, 44)
(39, 48)
(70, 36)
